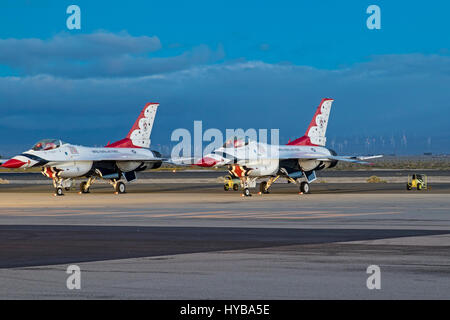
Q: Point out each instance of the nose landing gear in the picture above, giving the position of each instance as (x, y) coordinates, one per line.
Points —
(61, 184)
(247, 183)
(59, 191)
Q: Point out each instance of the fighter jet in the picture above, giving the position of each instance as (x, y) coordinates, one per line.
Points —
(63, 162)
(297, 162)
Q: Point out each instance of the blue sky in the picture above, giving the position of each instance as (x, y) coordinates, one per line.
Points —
(249, 64)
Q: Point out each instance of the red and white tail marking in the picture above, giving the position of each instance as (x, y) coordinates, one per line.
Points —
(315, 135)
(318, 127)
(139, 135)
(142, 128)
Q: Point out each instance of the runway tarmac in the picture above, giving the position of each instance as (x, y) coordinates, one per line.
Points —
(194, 241)
(188, 174)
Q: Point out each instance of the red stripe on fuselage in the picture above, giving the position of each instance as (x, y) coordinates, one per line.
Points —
(302, 141)
(124, 143)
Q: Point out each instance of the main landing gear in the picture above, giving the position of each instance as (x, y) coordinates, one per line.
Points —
(304, 187)
(119, 186)
(264, 186)
(86, 185)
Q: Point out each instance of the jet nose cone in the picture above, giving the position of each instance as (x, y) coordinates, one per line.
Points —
(206, 162)
(13, 164)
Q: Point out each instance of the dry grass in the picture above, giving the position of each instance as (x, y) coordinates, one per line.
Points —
(375, 179)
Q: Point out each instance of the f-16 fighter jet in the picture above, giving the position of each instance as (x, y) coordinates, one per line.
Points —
(297, 161)
(63, 162)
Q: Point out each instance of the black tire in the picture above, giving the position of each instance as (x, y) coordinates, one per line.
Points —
(226, 187)
(235, 187)
(59, 191)
(120, 187)
(408, 186)
(304, 187)
(419, 186)
(262, 187)
(247, 192)
(83, 188)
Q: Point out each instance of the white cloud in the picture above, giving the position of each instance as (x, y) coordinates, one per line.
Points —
(99, 54)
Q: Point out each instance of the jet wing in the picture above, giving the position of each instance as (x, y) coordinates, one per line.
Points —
(104, 155)
(358, 159)
(284, 155)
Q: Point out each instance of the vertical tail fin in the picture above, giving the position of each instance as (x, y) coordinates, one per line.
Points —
(142, 128)
(139, 135)
(315, 135)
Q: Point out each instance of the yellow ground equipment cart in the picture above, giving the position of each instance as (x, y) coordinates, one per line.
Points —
(231, 183)
(418, 181)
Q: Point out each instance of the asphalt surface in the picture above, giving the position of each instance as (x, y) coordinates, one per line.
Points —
(189, 187)
(195, 241)
(193, 174)
(24, 246)
(206, 181)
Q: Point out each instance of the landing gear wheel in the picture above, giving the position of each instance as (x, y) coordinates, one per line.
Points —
(235, 187)
(304, 187)
(59, 191)
(83, 188)
(262, 187)
(120, 187)
(247, 192)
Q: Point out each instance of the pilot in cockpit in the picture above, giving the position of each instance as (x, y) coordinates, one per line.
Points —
(236, 142)
(46, 144)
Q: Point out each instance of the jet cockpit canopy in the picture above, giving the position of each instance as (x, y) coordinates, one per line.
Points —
(47, 144)
(236, 142)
